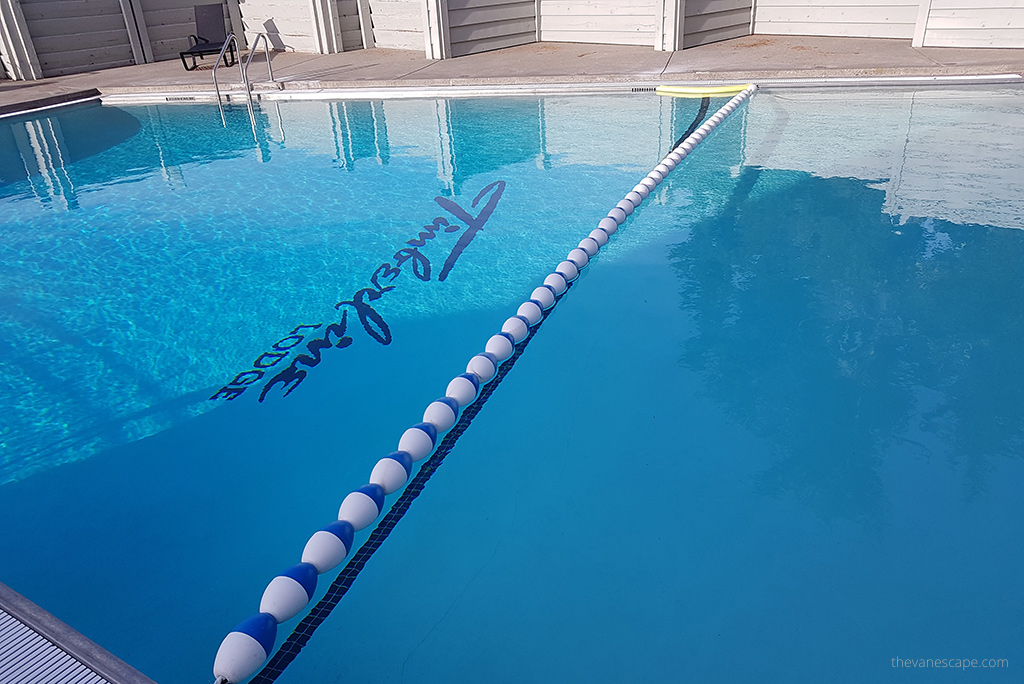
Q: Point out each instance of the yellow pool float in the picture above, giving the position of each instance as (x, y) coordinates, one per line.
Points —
(700, 91)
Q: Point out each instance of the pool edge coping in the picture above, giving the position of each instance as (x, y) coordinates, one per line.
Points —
(314, 92)
(46, 103)
(318, 90)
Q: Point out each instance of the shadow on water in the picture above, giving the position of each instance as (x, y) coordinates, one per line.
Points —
(838, 337)
(64, 136)
(60, 282)
(118, 145)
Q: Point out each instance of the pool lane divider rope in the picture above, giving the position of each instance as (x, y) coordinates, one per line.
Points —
(251, 642)
(304, 630)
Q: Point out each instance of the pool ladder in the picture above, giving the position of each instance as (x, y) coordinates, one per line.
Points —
(243, 72)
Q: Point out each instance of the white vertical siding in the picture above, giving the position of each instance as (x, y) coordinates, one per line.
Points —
(709, 21)
(335, 25)
(397, 24)
(480, 25)
(72, 36)
(17, 53)
(351, 38)
(617, 22)
(981, 23)
(288, 23)
(841, 18)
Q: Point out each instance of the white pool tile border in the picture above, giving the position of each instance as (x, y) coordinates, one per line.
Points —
(398, 92)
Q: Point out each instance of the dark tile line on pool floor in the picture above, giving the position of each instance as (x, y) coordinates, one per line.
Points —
(340, 586)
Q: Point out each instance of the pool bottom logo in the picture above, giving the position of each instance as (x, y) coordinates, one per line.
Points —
(360, 304)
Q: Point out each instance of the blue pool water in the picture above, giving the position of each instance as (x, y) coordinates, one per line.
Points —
(773, 433)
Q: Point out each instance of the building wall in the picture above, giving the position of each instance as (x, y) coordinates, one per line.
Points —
(348, 11)
(480, 25)
(288, 24)
(977, 23)
(55, 37)
(72, 36)
(618, 22)
(169, 23)
(398, 24)
(709, 21)
(291, 25)
(17, 54)
(841, 18)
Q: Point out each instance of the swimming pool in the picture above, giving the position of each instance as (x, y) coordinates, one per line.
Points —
(772, 433)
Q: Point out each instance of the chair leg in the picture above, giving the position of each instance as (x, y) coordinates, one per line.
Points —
(185, 64)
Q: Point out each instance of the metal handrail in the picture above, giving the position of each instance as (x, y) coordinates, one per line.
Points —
(243, 72)
(230, 39)
(252, 51)
(248, 86)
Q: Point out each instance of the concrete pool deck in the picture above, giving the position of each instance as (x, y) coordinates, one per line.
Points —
(751, 58)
